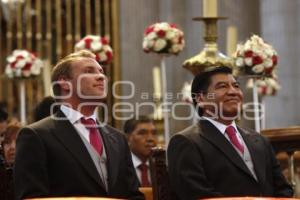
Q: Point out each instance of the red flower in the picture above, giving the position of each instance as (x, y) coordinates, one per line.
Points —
(27, 66)
(257, 60)
(149, 30)
(264, 90)
(88, 42)
(104, 41)
(173, 26)
(269, 70)
(275, 60)
(97, 57)
(248, 53)
(161, 33)
(109, 55)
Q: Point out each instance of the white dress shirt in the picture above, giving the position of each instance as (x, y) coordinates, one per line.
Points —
(136, 163)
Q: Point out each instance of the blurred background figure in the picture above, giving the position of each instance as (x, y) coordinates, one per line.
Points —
(9, 150)
(141, 136)
(3, 121)
(9, 144)
(45, 108)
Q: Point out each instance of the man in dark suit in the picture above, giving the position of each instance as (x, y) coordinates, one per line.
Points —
(68, 154)
(141, 136)
(215, 157)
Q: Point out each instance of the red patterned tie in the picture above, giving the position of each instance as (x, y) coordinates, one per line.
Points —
(94, 135)
(144, 175)
(231, 132)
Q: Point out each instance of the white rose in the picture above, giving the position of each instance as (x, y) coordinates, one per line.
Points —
(159, 44)
(107, 48)
(248, 61)
(96, 46)
(36, 67)
(239, 62)
(258, 69)
(11, 59)
(102, 56)
(268, 63)
(21, 63)
(9, 71)
(175, 48)
(151, 35)
(80, 45)
(170, 34)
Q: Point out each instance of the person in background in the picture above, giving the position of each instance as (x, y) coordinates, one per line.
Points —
(45, 108)
(9, 144)
(3, 127)
(70, 153)
(141, 136)
(215, 157)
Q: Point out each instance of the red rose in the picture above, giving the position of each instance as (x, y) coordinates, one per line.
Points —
(257, 60)
(88, 42)
(149, 30)
(104, 41)
(27, 66)
(173, 26)
(269, 70)
(275, 60)
(161, 33)
(248, 53)
(264, 90)
(109, 55)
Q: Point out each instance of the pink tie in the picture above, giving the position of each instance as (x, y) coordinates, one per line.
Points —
(94, 135)
(231, 132)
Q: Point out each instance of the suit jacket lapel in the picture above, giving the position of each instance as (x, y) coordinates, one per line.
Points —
(213, 135)
(68, 136)
(256, 150)
(111, 149)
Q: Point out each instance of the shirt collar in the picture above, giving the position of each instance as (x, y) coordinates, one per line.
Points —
(73, 115)
(136, 161)
(221, 127)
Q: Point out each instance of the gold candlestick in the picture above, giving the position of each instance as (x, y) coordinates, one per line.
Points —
(210, 56)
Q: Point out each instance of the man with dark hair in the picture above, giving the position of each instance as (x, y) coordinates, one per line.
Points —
(45, 108)
(141, 136)
(69, 153)
(215, 157)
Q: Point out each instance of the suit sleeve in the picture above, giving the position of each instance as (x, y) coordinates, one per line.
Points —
(186, 173)
(30, 174)
(280, 185)
(132, 180)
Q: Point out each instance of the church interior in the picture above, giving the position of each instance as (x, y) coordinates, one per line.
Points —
(155, 79)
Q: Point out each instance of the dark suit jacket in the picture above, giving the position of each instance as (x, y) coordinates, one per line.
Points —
(203, 163)
(52, 160)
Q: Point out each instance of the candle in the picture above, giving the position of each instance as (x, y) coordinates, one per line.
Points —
(231, 40)
(156, 82)
(210, 8)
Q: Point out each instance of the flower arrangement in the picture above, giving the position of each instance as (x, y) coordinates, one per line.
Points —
(265, 87)
(23, 64)
(98, 45)
(163, 38)
(256, 57)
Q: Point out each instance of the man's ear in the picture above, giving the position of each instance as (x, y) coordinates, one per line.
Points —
(65, 84)
(200, 98)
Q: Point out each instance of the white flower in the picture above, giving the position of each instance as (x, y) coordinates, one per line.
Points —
(258, 69)
(248, 61)
(268, 63)
(239, 62)
(102, 56)
(151, 35)
(96, 46)
(171, 34)
(159, 44)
